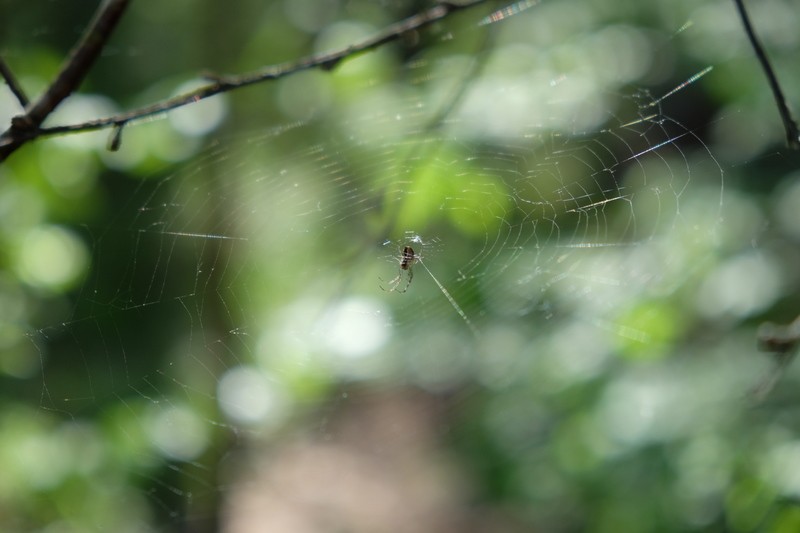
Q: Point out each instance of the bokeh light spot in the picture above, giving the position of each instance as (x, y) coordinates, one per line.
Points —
(51, 257)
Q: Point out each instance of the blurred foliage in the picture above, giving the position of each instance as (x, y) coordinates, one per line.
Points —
(176, 315)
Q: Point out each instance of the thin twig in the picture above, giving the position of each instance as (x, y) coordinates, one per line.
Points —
(221, 84)
(13, 84)
(782, 342)
(792, 131)
(73, 71)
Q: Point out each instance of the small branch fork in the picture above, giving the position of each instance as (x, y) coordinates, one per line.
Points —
(73, 71)
(792, 131)
(27, 127)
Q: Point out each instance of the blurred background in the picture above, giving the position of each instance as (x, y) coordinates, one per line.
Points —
(212, 328)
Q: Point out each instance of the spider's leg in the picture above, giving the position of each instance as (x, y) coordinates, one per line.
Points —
(392, 284)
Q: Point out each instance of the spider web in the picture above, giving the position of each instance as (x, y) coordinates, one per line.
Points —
(231, 297)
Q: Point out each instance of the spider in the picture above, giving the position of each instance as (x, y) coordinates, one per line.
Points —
(407, 258)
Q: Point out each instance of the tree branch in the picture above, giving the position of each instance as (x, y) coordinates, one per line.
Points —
(220, 84)
(792, 131)
(13, 84)
(782, 342)
(73, 71)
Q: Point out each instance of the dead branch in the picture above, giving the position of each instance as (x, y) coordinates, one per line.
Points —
(27, 127)
(13, 84)
(73, 71)
(792, 131)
